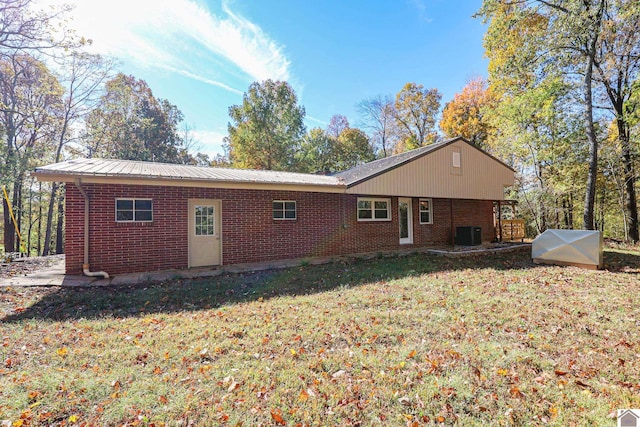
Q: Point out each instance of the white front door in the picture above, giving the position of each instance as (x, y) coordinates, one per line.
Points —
(205, 243)
(405, 218)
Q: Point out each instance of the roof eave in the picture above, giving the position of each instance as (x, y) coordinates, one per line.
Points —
(50, 176)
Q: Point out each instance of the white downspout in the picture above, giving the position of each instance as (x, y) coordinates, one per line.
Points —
(85, 264)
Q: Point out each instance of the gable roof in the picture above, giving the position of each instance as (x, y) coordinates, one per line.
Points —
(151, 173)
(372, 169)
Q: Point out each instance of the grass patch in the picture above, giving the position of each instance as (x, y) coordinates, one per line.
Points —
(473, 341)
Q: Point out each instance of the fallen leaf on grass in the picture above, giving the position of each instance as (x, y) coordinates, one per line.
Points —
(338, 374)
(276, 416)
(515, 392)
(560, 372)
(404, 400)
(33, 395)
(62, 352)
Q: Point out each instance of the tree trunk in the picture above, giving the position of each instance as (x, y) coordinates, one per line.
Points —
(39, 248)
(59, 226)
(30, 216)
(571, 225)
(591, 48)
(17, 209)
(590, 195)
(47, 232)
(629, 181)
(601, 210)
(9, 229)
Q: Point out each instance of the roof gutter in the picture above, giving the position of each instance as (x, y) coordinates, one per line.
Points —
(85, 265)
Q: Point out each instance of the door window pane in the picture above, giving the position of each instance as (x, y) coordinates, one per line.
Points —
(404, 221)
(204, 220)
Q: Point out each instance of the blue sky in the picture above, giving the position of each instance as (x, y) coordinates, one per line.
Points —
(202, 55)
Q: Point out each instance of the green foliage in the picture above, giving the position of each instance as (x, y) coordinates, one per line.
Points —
(316, 152)
(353, 149)
(31, 103)
(416, 112)
(267, 128)
(322, 152)
(589, 49)
(541, 139)
(130, 123)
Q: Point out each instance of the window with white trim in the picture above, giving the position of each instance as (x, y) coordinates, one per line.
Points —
(425, 211)
(370, 209)
(134, 210)
(284, 209)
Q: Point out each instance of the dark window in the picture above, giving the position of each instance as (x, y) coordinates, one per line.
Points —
(284, 209)
(132, 210)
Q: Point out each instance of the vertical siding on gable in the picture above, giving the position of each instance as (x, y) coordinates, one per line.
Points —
(481, 177)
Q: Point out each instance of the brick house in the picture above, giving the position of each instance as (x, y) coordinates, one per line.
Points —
(128, 216)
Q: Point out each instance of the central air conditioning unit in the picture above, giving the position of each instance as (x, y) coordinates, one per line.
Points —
(468, 236)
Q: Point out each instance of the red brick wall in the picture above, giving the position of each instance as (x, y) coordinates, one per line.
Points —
(326, 224)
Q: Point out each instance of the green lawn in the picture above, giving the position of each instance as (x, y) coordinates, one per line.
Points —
(418, 340)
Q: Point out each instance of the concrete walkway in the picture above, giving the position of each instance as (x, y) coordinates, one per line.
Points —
(53, 275)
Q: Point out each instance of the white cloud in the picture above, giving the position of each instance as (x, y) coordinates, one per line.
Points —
(209, 141)
(182, 36)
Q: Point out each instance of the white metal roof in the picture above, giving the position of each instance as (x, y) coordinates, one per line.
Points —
(136, 169)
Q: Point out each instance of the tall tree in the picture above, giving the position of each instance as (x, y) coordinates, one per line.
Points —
(378, 115)
(83, 76)
(130, 123)
(416, 112)
(618, 66)
(317, 152)
(24, 33)
(27, 31)
(565, 37)
(321, 152)
(30, 100)
(353, 148)
(464, 114)
(267, 128)
(337, 123)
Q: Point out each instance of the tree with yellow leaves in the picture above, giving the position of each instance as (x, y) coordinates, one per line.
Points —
(463, 115)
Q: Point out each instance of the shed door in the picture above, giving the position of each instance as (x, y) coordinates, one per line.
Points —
(405, 218)
(205, 243)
